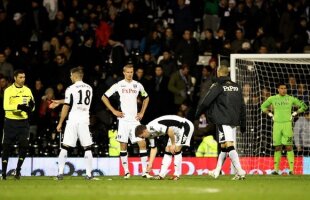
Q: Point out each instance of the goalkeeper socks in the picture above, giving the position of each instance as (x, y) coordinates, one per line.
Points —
(233, 155)
(221, 159)
(62, 160)
(165, 164)
(178, 163)
(277, 158)
(290, 159)
(143, 157)
(124, 160)
(88, 157)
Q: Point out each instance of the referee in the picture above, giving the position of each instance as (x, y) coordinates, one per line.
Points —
(18, 103)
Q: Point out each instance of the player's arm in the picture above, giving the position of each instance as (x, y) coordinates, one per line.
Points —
(265, 106)
(55, 103)
(145, 103)
(208, 99)
(107, 103)
(63, 115)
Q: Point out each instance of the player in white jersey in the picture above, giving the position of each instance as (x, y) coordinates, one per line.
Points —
(78, 98)
(179, 130)
(129, 117)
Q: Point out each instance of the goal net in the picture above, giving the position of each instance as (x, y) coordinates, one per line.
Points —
(258, 75)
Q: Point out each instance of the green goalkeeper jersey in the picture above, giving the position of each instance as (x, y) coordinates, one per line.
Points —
(282, 107)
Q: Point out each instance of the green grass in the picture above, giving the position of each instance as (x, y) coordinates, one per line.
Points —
(137, 188)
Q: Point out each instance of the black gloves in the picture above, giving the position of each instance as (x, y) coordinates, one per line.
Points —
(24, 108)
(31, 104)
(242, 129)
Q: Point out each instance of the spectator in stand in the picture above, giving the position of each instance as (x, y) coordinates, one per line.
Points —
(158, 92)
(208, 45)
(236, 45)
(168, 63)
(181, 86)
(183, 18)
(187, 50)
(117, 57)
(169, 40)
(211, 18)
(131, 23)
(151, 43)
(148, 64)
(6, 68)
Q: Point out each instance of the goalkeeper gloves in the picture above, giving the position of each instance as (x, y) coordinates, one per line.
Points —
(24, 108)
(270, 114)
(294, 114)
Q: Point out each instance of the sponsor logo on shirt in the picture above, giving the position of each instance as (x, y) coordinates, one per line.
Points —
(230, 88)
(128, 91)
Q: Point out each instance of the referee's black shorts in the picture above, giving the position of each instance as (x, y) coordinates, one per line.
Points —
(16, 130)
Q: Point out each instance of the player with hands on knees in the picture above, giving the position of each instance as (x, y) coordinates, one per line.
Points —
(179, 130)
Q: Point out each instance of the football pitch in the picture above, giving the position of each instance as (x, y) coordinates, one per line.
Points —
(188, 187)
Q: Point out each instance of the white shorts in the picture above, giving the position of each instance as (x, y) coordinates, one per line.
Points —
(227, 133)
(126, 131)
(77, 130)
(183, 137)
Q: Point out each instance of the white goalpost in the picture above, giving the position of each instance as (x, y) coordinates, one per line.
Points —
(258, 75)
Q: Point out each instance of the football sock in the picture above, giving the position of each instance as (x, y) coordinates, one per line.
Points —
(277, 157)
(233, 155)
(143, 157)
(124, 159)
(221, 159)
(165, 164)
(62, 160)
(290, 159)
(177, 163)
(88, 156)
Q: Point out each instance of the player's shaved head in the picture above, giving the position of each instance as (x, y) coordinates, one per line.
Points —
(222, 71)
(127, 67)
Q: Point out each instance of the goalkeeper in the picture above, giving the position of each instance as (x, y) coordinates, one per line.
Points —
(279, 107)
(18, 104)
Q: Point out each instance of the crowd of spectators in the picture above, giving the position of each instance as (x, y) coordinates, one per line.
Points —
(162, 38)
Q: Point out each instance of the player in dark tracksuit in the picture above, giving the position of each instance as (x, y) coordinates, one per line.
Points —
(225, 107)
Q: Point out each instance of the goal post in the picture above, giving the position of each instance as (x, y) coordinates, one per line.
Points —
(258, 75)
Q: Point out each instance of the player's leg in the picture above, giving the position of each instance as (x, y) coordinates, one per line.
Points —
(8, 139)
(177, 163)
(230, 135)
(165, 163)
(277, 143)
(287, 141)
(69, 140)
(123, 137)
(143, 156)
(86, 141)
(23, 139)
(222, 155)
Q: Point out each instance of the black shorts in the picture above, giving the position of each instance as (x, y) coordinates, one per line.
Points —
(15, 130)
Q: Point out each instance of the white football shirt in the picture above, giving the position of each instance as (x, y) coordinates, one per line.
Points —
(79, 96)
(182, 128)
(128, 92)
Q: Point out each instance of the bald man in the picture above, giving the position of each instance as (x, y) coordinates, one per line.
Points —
(225, 107)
